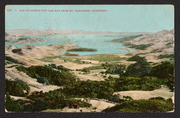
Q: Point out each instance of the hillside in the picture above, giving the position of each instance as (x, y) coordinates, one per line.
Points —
(162, 41)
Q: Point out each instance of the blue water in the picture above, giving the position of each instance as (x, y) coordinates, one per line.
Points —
(101, 42)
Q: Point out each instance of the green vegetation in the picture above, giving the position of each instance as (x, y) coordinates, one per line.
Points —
(114, 68)
(139, 69)
(115, 98)
(53, 77)
(110, 68)
(156, 51)
(53, 100)
(12, 105)
(83, 49)
(169, 44)
(17, 51)
(105, 57)
(140, 47)
(87, 69)
(165, 71)
(151, 105)
(126, 38)
(171, 56)
(138, 76)
(70, 54)
(49, 59)
(17, 88)
(137, 58)
(134, 83)
(41, 101)
(60, 67)
(10, 59)
(90, 89)
(12, 66)
(74, 60)
(129, 54)
(105, 89)
(168, 70)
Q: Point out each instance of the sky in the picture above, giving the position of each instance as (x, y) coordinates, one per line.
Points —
(118, 18)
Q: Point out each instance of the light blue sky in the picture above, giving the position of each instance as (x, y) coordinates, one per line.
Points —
(118, 18)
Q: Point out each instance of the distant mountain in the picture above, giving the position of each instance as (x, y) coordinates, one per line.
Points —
(20, 32)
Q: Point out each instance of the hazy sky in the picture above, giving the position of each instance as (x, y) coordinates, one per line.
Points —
(118, 18)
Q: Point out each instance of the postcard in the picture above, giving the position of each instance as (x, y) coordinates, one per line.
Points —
(89, 58)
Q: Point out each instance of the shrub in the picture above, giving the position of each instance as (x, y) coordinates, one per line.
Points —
(52, 65)
(48, 100)
(60, 67)
(134, 83)
(86, 70)
(164, 70)
(11, 104)
(152, 105)
(52, 76)
(92, 89)
(42, 80)
(171, 56)
(137, 58)
(78, 102)
(116, 98)
(140, 69)
(18, 105)
(157, 98)
(53, 100)
(16, 51)
(17, 88)
(140, 47)
(127, 98)
(10, 59)
(114, 68)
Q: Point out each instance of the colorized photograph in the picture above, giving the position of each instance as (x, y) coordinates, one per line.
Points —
(89, 58)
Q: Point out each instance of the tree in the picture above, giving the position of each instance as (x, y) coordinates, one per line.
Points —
(137, 58)
(11, 104)
(164, 70)
(140, 69)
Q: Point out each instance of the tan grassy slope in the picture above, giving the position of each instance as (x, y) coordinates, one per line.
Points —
(162, 41)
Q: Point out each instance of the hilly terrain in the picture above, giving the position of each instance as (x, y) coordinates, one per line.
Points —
(43, 79)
